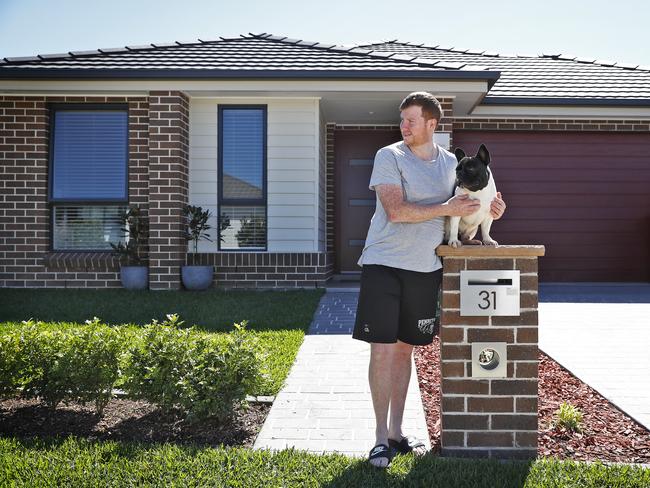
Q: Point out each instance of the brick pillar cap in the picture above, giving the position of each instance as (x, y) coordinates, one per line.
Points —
(491, 252)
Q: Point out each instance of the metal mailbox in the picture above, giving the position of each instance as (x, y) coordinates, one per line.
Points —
(489, 292)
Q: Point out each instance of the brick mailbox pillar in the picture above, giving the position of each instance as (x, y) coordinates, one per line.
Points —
(489, 351)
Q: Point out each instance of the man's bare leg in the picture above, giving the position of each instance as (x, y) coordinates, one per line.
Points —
(401, 374)
(380, 379)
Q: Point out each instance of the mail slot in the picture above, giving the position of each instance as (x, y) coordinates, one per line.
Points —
(489, 292)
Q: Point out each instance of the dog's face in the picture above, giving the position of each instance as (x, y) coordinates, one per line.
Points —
(472, 172)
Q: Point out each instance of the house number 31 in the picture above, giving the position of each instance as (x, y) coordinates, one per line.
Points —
(486, 302)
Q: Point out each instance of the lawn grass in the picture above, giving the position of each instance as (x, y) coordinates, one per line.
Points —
(213, 310)
(279, 318)
(79, 463)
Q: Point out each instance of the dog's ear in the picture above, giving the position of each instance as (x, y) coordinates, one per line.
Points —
(460, 154)
(483, 154)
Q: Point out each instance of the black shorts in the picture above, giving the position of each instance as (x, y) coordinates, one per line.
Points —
(397, 304)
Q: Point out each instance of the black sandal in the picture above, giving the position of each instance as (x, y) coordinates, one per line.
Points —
(381, 451)
(406, 445)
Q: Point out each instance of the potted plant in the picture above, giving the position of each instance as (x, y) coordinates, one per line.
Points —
(134, 272)
(197, 277)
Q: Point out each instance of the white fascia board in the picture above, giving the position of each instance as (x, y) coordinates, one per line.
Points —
(554, 112)
(231, 87)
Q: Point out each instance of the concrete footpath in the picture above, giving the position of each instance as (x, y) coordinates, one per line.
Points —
(325, 405)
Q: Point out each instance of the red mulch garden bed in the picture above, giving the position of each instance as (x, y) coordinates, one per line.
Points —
(608, 434)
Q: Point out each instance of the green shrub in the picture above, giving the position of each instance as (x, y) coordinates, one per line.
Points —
(92, 364)
(157, 363)
(202, 374)
(10, 357)
(44, 359)
(60, 363)
(223, 370)
(568, 417)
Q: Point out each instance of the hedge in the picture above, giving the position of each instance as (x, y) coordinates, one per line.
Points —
(202, 374)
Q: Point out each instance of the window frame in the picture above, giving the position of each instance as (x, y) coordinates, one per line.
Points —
(52, 202)
(242, 202)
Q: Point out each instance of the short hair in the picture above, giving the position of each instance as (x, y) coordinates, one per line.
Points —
(430, 105)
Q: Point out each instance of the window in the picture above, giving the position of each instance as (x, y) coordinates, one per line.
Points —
(88, 176)
(242, 177)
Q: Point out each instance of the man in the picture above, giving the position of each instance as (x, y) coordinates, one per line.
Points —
(401, 275)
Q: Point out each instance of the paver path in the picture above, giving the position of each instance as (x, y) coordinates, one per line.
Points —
(325, 405)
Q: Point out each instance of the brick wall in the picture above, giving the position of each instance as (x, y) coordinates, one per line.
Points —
(267, 270)
(168, 187)
(489, 417)
(25, 257)
(558, 124)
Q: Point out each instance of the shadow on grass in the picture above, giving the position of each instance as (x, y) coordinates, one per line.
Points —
(434, 471)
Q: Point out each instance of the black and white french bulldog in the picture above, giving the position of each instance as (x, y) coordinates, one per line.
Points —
(474, 178)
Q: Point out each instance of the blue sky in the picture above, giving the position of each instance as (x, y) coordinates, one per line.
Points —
(616, 31)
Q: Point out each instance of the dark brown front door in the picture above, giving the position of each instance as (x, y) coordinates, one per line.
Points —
(355, 203)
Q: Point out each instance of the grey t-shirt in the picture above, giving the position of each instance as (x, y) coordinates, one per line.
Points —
(406, 245)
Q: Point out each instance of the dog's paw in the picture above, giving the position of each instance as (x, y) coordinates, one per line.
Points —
(471, 242)
(455, 243)
(490, 242)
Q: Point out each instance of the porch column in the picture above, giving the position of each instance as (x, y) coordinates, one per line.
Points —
(168, 186)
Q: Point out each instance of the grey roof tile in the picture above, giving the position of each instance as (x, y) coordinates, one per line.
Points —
(276, 38)
(404, 57)
(474, 67)
(135, 48)
(54, 56)
(447, 64)
(21, 59)
(342, 48)
(381, 54)
(108, 50)
(426, 61)
(187, 43)
(307, 43)
(159, 44)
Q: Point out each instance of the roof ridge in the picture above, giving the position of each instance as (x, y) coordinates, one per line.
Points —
(351, 49)
(360, 49)
(563, 57)
(111, 50)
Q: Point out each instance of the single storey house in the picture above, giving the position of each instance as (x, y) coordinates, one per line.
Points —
(276, 136)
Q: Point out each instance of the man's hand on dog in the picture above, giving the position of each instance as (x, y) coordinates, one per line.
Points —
(462, 205)
(497, 207)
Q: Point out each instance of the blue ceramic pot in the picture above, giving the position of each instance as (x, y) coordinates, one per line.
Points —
(134, 277)
(197, 277)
